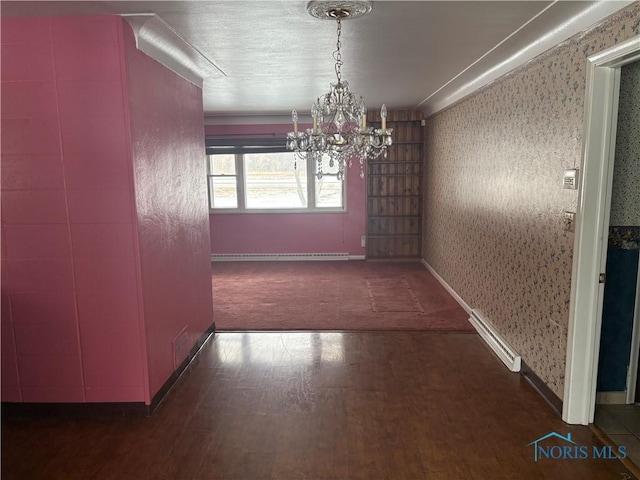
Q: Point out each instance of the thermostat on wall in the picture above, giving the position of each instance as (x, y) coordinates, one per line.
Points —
(570, 179)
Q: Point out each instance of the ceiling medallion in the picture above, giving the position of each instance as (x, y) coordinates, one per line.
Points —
(330, 10)
(340, 130)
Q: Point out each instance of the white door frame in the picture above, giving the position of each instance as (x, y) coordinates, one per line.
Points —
(589, 250)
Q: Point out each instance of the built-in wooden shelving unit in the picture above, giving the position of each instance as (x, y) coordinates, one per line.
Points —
(394, 190)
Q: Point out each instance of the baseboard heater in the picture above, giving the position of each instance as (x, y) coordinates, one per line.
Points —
(502, 349)
(256, 257)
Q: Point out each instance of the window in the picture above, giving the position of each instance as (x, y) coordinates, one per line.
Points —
(223, 190)
(328, 189)
(271, 181)
(274, 180)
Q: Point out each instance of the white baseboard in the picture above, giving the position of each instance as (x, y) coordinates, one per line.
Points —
(447, 287)
(282, 257)
(486, 331)
(495, 341)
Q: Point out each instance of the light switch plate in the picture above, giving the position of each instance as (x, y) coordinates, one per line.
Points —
(568, 219)
(570, 179)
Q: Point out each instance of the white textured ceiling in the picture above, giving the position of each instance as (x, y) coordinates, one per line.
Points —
(406, 54)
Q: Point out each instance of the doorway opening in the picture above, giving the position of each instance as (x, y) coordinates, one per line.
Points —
(589, 260)
(616, 413)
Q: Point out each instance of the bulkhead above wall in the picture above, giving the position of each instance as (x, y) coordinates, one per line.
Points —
(160, 41)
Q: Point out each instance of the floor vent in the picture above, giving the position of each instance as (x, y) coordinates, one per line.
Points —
(262, 257)
(501, 348)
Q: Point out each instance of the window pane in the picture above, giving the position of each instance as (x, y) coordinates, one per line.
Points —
(222, 192)
(222, 164)
(329, 191)
(329, 188)
(272, 182)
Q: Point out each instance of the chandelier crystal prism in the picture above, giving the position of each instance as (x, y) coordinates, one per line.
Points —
(339, 130)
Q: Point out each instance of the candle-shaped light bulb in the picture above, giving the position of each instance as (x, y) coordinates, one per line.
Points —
(363, 112)
(383, 115)
(294, 117)
(314, 116)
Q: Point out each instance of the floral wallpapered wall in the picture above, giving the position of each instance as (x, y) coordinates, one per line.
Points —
(625, 196)
(493, 196)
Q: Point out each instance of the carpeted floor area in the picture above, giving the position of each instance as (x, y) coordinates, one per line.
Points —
(327, 295)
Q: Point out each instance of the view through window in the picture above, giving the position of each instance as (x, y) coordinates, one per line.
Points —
(271, 181)
(275, 180)
(223, 191)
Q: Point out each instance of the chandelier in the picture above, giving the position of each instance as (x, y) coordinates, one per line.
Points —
(339, 130)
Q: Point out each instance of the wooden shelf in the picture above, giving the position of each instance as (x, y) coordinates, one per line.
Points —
(394, 186)
(408, 174)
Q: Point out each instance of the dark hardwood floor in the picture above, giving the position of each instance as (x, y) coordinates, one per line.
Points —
(326, 405)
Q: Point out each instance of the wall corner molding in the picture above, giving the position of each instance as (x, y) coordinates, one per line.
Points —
(484, 73)
(157, 39)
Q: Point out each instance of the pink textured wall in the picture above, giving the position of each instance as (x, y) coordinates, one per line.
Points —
(104, 213)
(70, 310)
(291, 232)
(171, 199)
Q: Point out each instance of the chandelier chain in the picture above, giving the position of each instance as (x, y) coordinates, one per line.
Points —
(339, 131)
(337, 55)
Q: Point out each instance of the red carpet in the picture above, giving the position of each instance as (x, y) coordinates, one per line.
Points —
(341, 295)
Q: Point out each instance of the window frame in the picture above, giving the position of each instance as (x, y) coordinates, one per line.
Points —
(236, 175)
(241, 188)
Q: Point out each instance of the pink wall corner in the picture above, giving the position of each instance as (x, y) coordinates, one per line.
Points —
(290, 232)
(171, 199)
(100, 198)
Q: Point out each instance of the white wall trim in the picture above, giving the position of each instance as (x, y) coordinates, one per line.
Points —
(453, 90)
(589, 252)
(447, 287)
(495, 341)
(163, 43)
(282, 257)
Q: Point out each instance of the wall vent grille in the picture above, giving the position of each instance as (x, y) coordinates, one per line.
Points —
(181, 348)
